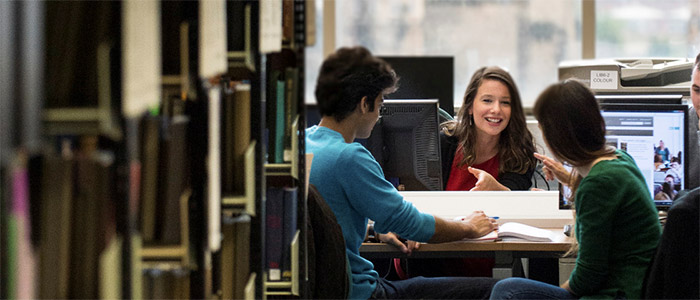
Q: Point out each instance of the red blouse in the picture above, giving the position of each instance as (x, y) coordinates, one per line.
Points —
(461, 180)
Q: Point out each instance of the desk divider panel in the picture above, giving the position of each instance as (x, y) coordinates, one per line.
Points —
(535, 208)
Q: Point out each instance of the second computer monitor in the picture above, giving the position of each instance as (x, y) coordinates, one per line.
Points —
(655, 136)
(406, 144)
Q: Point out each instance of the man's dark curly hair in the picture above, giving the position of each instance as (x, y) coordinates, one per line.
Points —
(347, 76)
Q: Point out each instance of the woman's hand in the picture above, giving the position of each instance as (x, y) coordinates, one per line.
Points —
(392, 238)
(485, 182)
(553, 169)
(566, 286)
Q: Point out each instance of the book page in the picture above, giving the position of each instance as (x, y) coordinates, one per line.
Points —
(526, 232)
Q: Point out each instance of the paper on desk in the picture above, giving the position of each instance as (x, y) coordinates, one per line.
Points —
(519, 232)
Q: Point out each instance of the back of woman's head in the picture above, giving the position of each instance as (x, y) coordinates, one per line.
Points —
(571, 122)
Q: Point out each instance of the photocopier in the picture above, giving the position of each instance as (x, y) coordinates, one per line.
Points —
(632, 76)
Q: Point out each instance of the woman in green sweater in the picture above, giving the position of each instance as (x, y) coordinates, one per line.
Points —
(616, 228)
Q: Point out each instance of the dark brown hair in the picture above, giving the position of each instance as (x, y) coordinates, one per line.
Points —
(572, 125)
(515, 145)
(348, 75)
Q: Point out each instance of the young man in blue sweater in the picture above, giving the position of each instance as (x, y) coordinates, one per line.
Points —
(349, 91)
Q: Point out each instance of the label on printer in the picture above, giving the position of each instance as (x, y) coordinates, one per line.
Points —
(604, 80)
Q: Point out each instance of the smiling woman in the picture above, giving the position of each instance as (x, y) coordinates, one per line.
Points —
(490, 140)
(487, 148)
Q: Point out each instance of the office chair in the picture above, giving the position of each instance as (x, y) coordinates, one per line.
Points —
(329, 269)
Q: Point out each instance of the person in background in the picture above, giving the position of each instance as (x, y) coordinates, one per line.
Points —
(693, 156)
(674, 273)
(676, 170)
(666, 193)
(488, 148)
(658, 162)
(350, 91)
(616, 225)
(663, 151)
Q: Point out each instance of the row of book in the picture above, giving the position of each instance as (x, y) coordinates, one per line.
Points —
(62, 240)
(166, 282)
(164, 178)
(234, 256)
(235, 137)
(281, 110)
(281, 225)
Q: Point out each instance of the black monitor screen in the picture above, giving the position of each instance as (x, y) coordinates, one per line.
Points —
(655, 135)
(406, 144)
(424, 77)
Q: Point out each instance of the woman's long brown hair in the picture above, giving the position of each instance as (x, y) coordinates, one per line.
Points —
(515, 145)
(572, 127)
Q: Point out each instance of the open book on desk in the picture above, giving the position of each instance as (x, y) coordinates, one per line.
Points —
(520, 232)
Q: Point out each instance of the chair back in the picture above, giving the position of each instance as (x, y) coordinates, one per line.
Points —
(329, 271)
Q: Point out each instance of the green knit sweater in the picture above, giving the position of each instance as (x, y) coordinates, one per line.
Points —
(617, 229)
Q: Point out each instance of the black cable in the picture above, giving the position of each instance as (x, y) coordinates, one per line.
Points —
(543, 178)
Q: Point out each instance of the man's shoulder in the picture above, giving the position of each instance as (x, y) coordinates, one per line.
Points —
(685, 208)
(343, 152)
(689, 200)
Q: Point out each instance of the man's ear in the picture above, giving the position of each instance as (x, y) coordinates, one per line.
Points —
(364, 106)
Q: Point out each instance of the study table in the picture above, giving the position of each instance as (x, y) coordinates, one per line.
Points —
(535, 208)
(507, 254)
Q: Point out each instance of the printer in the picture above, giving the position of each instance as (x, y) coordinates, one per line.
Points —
(632, 76)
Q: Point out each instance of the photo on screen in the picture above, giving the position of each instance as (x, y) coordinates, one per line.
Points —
(655, 135)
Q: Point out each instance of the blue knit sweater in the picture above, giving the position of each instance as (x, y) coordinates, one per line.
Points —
(353, 185)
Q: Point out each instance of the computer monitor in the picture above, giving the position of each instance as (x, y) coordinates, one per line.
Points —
(639, 129)
(406, 144)
(424, 77)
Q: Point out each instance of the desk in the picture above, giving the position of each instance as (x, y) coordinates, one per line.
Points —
(506, 253)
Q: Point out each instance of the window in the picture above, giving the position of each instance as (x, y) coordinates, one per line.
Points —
(516, 35)
(647, 28)
(313, 56)
(528, 37)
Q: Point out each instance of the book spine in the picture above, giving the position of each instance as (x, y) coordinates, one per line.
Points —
(242, 122)
(274, 232)
(279, 123)
(271, 116)
(290, 110)
(174, 174)
(228, 136)
(149, 156)
(290, 228)
(55, 227)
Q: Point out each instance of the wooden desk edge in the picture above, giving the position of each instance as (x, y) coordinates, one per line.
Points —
(477, 249)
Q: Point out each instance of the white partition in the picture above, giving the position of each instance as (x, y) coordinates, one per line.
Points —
(536, 208)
